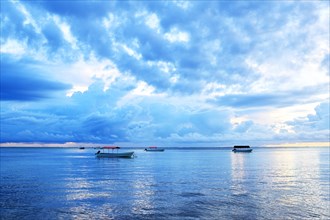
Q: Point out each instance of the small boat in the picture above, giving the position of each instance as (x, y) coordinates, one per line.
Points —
(154, 148)
(240, 148)
(100, 154)
(81, 148)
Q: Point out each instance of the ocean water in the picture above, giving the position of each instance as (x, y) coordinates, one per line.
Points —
(269, 183)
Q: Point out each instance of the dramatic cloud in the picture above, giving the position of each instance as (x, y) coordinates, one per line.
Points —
(21, 82)
(314, 125)
(164, 72)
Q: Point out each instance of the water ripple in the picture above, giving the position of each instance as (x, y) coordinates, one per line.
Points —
(69, 184)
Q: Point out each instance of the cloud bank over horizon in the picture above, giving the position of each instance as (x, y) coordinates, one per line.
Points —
(169, 73)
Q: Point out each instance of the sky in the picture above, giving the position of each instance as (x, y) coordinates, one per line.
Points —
(167, 73)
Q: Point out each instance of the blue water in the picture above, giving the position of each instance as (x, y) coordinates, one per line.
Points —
(269, 183)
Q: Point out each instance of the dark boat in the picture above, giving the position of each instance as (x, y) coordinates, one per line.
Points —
(242, 148)
(154, 149)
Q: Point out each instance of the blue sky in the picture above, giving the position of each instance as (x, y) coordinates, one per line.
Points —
(171, 73)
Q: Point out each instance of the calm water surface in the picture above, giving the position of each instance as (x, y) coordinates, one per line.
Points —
(276, 183)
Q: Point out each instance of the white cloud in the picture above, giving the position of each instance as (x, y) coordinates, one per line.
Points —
(143, 89)
(175, 78)
(82, 73)
(137, 95)
(166, 67)
(152, 21)
(109, 21)
(175, 35)
(212, 50)
(291, 56)
(14, 47)
(131, 52)
(29, 20)
(182, 4)
(66, 31)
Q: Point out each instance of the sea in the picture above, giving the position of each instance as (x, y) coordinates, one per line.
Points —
(182, 183)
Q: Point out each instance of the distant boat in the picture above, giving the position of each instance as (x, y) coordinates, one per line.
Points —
(154, 148)
(240, 148)
(81, 148)
(100, 154)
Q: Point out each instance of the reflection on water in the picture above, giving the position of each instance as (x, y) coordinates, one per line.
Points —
(177, 184)
(282, 183)
(296, 183)
(238, 173)
(143, 197)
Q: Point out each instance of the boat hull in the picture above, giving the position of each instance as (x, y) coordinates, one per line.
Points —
(242, 150)
(154, 150)
(112, 155)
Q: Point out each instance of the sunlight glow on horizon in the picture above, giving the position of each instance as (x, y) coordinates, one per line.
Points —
(301, 144)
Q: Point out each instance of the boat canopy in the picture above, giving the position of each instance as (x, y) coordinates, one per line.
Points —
(111, 147)
(152, 147)
(241, 146)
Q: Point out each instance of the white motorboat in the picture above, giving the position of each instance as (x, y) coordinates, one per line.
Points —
(102, 154)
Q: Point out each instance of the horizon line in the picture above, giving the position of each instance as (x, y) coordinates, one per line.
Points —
(126, 144)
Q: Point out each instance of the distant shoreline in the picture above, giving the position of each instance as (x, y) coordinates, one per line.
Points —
(142, 145)
(168, 148)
